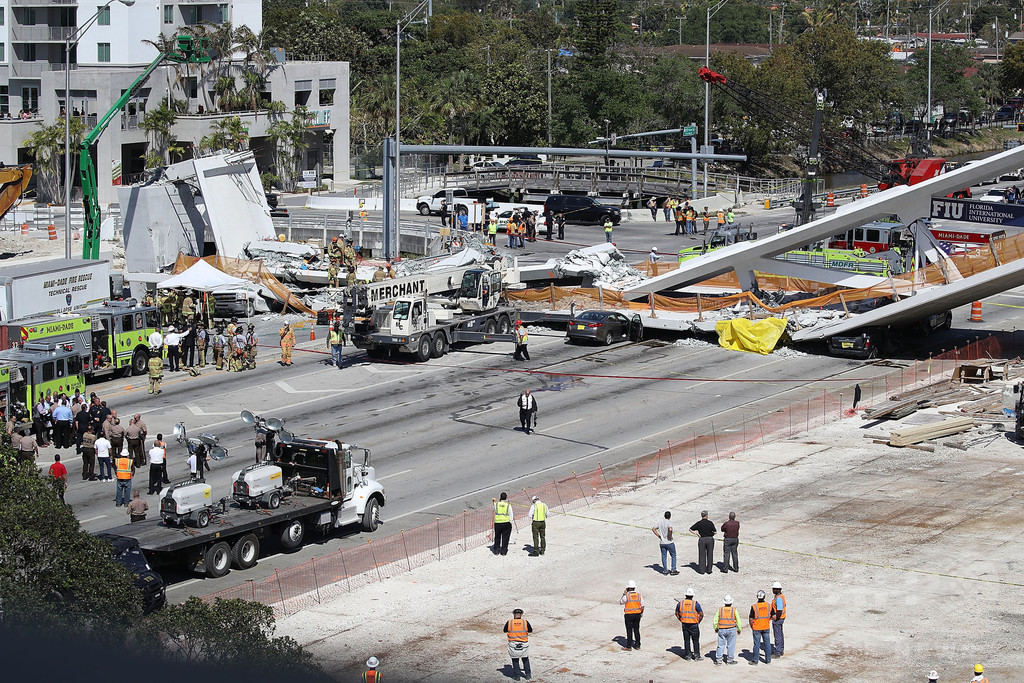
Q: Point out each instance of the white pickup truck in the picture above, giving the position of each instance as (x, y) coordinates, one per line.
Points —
(428, 204)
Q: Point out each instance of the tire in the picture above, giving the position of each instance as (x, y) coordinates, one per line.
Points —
(293, 534)
(245, 552)
(371, 516)
(504, 324)
(424, 209)
(490, 327)
(274, 501)
(218, 560)
(605, 217)
(439, 346)
(140, 361)
(607, 339)
(423, 349)
(203, 519)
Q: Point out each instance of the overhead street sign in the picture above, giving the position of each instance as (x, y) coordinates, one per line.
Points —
(985, 213)
(689, 131)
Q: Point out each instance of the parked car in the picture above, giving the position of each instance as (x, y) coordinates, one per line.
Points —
(994, 196)
(581, 209)
(127, 553)
(428, 204)
(603, 327)
(525, 160)
(1005, 113)
(486, 165)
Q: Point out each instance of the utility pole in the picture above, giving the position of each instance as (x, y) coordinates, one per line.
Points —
(549, 97)
(680, 30)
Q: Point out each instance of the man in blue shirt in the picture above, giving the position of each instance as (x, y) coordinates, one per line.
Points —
(62, 420)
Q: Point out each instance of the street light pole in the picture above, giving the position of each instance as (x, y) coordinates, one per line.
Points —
(680, 30)
(549, 97)
(607, 141)
(707, 85)
(76, 36)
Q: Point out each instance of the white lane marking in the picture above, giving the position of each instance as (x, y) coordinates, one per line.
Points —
(91, 519)
(564, 424)
(199, 412)
(479, 412)
(287, 388)
(182, 584)
(399, 405)
(388, 476)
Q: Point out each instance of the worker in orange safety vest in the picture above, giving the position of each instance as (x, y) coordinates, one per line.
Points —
(124, 471)
(633, 609)
(690, 614)
(760, 620)
(518, 632)
(371, 675)
(727, 626)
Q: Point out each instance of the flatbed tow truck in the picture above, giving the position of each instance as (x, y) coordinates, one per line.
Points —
(322, 489)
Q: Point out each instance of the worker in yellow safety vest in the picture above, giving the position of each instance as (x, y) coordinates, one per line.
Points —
(124, 471)
(502, 524)
(760, 618)
(633, 610)
(518, 631)
(539, 524)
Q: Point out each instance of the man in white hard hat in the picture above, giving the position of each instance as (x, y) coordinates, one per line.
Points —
(539, 525)
(778, 619)
(933, 676)
(760, 619)
(690, 614)
(632, 611)
(727, 626)
(371, 675)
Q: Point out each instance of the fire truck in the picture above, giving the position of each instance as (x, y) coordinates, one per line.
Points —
(881, 236)
(112, 337)
(32, 371)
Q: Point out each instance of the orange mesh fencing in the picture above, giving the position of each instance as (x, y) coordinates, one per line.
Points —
(724, 436)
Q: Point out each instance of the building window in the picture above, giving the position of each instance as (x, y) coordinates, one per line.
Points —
(190, 15)
(326, 97)
(191, 87)
(3, 52)
(2, 17)
(103, 16)
(168, 14)
(223, 13)
(102, 52)
(5, 101)
(30, 52)
(30, 16)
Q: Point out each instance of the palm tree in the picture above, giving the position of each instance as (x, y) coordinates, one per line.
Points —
(157, 124)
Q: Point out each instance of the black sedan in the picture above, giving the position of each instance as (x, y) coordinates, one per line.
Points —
(604, 327)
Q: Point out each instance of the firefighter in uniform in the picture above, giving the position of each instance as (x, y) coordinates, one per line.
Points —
(350, 276)
(689, 614)
(251, 342)
(210, 307)
(518, 632)
(380, 274)
(760, 621)
(237, 363)
(334, 251)
(371, 675)
(287, 344)
(166, 305)
(332, 274)
(156, 372)
(188, 308)
(202, 336)
(218, 349)
(349, 253)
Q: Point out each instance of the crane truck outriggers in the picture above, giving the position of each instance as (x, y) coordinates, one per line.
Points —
(428, 326)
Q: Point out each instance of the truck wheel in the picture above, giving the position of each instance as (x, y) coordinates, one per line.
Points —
(371, 516)
(424, 209)
(293, 534)
(218, 560)
(423, 349)
(504, 325)
(140, 361)
(245, 552)
(203, 519)
(491, 326)
(439, 347)
(274, 501)
(250, 309)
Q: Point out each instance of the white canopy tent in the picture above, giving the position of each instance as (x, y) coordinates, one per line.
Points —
(202, 276)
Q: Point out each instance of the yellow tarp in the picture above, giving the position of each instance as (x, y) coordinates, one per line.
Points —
(757, 336)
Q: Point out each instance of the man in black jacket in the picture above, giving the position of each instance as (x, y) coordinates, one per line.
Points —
(527, 408)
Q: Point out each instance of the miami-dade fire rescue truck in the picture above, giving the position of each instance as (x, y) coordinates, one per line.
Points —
(112, 336)
(29, 372)
(321, 487)
(428, 326)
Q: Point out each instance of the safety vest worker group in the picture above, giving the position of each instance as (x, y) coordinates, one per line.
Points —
(501, 509)
(124, 468)
(686, 611)
(762, 616)
(633, 603)
(727, 617)
(517, 631)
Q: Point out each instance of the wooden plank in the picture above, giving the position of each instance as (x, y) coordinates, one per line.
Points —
(917, 434)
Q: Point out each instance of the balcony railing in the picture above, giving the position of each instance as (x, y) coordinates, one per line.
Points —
(40, 34)
(42, 3)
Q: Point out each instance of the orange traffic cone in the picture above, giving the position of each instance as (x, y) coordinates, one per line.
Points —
(976, 312)
(24, 229)
(312, 334)
(831, 199)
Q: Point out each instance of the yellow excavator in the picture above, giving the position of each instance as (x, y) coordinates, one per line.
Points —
(13, 183)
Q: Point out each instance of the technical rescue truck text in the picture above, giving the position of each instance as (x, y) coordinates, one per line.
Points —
(59, 286)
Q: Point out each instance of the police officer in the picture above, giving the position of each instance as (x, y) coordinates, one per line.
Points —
(156, 372)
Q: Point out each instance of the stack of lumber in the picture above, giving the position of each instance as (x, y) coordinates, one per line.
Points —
(910, 436)
(937, 394)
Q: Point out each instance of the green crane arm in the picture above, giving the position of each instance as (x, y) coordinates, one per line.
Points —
(189, 51)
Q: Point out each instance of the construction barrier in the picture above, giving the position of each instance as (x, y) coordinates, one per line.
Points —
(976, 312)
(726, 435)
(830, 199)
(51, 230)
(863, 190)
(24, 229)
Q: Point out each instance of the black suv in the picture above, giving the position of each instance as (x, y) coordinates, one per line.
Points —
(127, 553)
(579, 209)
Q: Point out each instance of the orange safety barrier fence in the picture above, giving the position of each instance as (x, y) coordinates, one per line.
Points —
(724, 436)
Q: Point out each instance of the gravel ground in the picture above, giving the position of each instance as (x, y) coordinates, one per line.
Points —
(894, 562)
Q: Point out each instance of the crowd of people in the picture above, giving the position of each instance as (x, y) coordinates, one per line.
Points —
(686, 217)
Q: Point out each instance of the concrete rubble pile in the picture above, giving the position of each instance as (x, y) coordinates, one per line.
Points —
(602, 266)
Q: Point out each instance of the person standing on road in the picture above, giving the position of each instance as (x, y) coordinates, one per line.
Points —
(202, 337)
(135, 434)
(156, 372)
(518, 631)
(156, 341)
(522, 340)
(188, 345)
(28, 450)
(157, 463)
(690, 614)
(608, 226)
(549, 224)
(633, 610)
(115, 432)
(527, 409)
(560, 223)
(778, 619)
(336, 344)
(667, 207)
(125, 470)
(137, 508)
(173, 341)
(706, 218)
(103, 457)
(287, 344)
(252, 342)
(89, 455)
(59, 474)
(731, 531)
(539, 526)
(492, 232)
(705, 529)
(759, 620)
(663, 530)
(62, 423)
(727, 626)
(652, 205)
(502, 524)
(219, 342)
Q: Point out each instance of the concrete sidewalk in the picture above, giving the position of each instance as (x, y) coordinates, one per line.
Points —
(893, 561)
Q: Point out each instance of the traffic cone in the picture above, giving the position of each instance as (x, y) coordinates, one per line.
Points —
(24, 229)
(976, 312)
(312, 334)
(831, 199)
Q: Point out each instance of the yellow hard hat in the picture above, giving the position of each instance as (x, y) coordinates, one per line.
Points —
(979, 669)
(281, 237)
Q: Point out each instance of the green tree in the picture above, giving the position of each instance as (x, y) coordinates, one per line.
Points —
(599, 27)
(228, 133)
(290, 140)
(158, 123)
(951, 88)
(46, 145)
(1011, 70)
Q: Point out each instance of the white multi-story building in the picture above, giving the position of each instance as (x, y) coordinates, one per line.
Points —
(112, 52)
